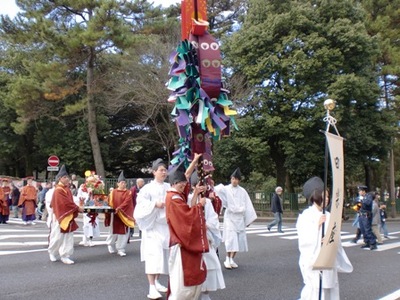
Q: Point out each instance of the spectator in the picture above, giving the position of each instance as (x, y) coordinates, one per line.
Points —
(383, 214)
(134, 191)
(365, 218)
(74, 185)
(15, 193)
(42, 200)
(276, 208)
(376, 219)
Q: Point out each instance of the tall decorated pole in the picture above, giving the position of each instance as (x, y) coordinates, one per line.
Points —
(202, 108)
(334, 149)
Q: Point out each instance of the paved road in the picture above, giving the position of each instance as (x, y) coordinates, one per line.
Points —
(268, 271)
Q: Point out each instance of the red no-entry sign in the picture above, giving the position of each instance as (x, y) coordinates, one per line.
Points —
(53, 161)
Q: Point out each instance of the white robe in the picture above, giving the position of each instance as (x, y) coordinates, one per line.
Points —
(215, 278)
(309, 234)
(239, 213)
(48, 197)
(89, 229)
(152, 221)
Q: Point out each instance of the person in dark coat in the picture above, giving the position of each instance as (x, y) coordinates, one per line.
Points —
(276, 208)
(365, 218)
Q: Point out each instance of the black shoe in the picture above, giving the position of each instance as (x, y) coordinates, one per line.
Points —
(365, 246)
(269, 228)
(354, 241)
(373, 247)
(281, 231)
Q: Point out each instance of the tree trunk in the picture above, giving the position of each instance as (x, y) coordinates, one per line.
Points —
(279, 160)
(392, 189)
(27, 155)
(92, 120)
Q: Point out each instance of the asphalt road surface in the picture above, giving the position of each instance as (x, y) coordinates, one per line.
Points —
(268, 271)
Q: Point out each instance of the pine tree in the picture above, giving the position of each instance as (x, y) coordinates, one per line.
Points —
(60, 44)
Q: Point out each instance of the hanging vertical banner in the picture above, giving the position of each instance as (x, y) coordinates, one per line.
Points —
(327, 256)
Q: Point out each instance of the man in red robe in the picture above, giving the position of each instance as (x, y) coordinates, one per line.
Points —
(4, 208)
(121, 220)
(188, 240)
(61, 239)
(27, 200)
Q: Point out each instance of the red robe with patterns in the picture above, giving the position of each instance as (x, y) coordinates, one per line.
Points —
(64, 208)
(187, 226)
(121, 201)
(2, 202)
(5, 209)
(27, 199)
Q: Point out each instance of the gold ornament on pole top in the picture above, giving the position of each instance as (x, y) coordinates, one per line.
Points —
(329, 104)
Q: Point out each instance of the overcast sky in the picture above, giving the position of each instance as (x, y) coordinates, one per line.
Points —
(8, 7)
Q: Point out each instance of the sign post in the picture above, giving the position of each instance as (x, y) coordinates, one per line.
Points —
(53, 162)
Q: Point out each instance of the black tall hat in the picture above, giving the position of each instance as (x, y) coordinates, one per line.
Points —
(363, 188)
(158, 162)
(312, 184)
(121, 177)
(62, 172)
(194, 179)
(177, 174)
(237, 174)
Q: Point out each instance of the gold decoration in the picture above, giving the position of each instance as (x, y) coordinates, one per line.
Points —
(329, 104)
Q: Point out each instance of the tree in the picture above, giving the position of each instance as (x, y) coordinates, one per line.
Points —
(383, 24)
(73, 34)
(295, 54)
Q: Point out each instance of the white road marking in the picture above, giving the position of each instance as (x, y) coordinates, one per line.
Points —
(393, 296)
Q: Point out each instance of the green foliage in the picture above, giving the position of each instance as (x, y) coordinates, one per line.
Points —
(54, 55)
(295, 54)
(283, 59)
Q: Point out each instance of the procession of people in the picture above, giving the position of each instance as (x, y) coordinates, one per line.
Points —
(180, 226)
(167, 248)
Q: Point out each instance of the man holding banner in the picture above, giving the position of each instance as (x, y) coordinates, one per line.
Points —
(309, 228)
(321, 253)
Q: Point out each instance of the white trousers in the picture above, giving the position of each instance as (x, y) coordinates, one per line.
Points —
(119, 241)
(88, 229)
(60, 243)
